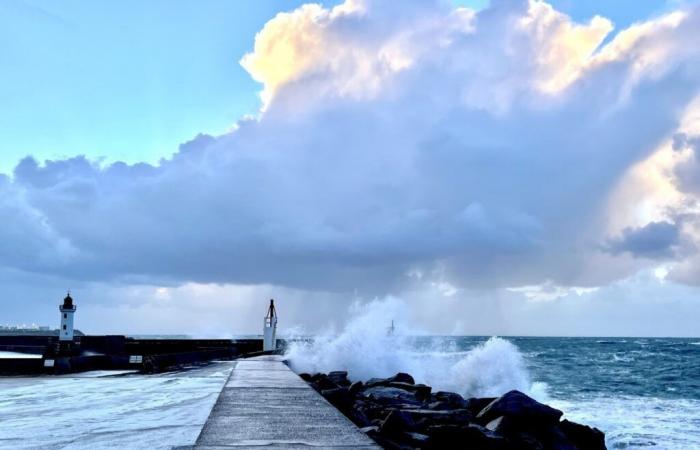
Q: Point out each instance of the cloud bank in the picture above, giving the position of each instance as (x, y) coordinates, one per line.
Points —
(399, 145)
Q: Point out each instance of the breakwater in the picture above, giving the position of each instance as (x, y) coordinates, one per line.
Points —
(114, 353)
(402, 415)
(264, 404)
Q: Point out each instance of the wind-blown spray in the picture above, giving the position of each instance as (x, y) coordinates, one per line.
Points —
(366, 350)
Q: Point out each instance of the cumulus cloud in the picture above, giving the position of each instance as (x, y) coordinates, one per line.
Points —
(393, 141)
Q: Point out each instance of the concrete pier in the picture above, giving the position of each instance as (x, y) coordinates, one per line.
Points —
(266, 405)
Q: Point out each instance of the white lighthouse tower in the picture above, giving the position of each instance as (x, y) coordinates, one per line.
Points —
(270, 328)
(67, 310)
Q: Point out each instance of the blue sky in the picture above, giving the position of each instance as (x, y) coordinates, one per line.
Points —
(131, 80)
(127, 80)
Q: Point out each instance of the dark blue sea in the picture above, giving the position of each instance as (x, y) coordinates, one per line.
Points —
(644, 393)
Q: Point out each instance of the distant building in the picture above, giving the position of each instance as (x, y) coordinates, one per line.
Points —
(24, 327)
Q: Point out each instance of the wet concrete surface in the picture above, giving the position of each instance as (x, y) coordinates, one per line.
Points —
(265, 404)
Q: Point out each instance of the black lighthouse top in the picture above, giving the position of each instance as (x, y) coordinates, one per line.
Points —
(271, 310)
(68, 302)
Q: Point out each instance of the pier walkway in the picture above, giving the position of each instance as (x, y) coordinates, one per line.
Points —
(266, 405)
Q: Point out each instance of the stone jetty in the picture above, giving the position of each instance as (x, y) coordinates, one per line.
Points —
(402, 415)
(266, 405)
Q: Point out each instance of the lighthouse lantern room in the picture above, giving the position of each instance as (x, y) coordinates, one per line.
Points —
(67, 310)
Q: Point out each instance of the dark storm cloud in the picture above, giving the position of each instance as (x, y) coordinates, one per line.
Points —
(654, 240)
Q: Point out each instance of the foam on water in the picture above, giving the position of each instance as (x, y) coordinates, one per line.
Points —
(17, 355)
(632, 422)
(95, 412)
(366, 350)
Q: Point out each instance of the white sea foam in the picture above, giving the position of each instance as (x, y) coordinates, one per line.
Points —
(366, 350)
(17, 355)
(94, 411)
(636, 423)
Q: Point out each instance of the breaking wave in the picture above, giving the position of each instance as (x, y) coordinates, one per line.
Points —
(365, 349)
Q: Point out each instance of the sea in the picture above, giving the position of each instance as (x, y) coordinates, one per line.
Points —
(644, 393)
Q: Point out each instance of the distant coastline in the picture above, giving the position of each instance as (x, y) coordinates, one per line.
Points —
(9, 331)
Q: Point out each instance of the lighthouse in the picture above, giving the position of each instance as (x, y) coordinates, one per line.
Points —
(270, 328)
(67, 310)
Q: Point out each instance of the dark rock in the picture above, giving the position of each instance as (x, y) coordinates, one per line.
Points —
(421, 391)
(339, 397)
(397, 422)
(420, 420)
(439, 406)
(508, 426)
(356, 387)
(339, 377)
(514, 433)
(398, 378)
(406, 406)
(392, 443)
(502, 425)
(466, 437)
(390, 395)
(359, 417)
(582, 436)
(517, 405)
(525, 441)
(416, 440)
(402, 378)
(365, 413)
(401, 415)
(305, 376)
(553, 438)
(321, 382)
(424, 418)
(384, 441)
(475, 405)
(453, 399)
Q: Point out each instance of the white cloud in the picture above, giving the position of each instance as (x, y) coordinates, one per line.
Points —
(484, 145)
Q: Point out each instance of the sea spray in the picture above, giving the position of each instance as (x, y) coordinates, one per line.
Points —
(365, 349)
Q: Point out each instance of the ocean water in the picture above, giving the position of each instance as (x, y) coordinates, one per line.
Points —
(108, 410)
(643, 393)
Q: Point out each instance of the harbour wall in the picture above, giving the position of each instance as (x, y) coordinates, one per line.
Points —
(114, 352)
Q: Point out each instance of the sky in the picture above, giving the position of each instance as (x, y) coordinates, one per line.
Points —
(508, 167)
